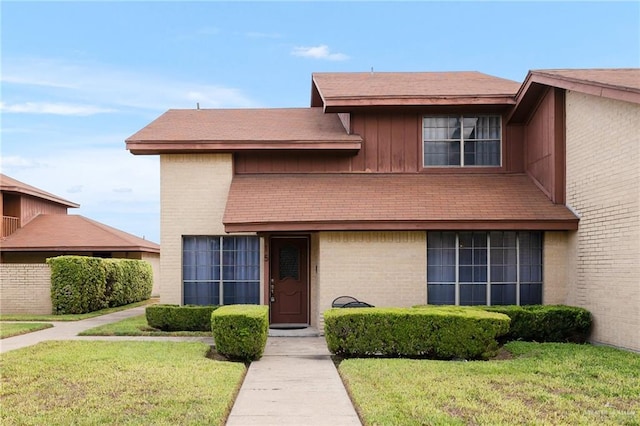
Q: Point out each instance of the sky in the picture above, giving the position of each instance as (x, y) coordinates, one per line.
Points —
(78, 78)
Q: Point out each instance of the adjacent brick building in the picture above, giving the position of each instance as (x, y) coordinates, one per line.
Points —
(409, 188)
(35, 226)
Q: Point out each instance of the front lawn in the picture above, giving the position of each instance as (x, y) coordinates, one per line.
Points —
(543, 384)
(137, 326)
(116, 383)
(9, 329)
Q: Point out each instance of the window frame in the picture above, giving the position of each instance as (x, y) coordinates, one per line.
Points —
(520, 264)
(220, 281)
(461, 141)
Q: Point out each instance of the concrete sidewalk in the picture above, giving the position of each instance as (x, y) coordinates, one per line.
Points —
(65, 330)
(294, 383)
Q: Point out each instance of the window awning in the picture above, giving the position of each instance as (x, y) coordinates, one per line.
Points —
(368, 201)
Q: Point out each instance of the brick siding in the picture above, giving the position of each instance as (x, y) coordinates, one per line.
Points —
(25, 288)
(193, 195)
(381, 268)
(603, 188)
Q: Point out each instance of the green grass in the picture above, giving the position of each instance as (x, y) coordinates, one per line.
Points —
(10, 329)
(72, 317)
(543, 384)
(116, 383)
(137, 326)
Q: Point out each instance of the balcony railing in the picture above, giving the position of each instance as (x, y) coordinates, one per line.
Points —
(9, 225)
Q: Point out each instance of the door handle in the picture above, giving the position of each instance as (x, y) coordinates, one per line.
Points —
(272, 289)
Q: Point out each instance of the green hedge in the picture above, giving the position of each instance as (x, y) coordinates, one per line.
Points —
(180, 318)
(81, 284)
(78, 284)
(427, 332)
(240, 331)
(546, 323)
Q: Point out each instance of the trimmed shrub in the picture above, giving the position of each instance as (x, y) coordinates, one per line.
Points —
(77, 284)
(114, 283)
(546, 323)
(180, 318)
(81, 284)
(437, 332)
(137, 276)
(240, 331)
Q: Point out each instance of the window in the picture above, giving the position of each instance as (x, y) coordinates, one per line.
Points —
(462, 140)
(220, 270)
(484, 268)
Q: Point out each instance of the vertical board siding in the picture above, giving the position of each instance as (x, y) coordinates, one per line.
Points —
(391, 144)
(30, 207)
(539, 142)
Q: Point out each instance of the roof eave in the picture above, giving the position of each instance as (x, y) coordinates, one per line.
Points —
(41, 195)
(345, 104)
(165, 147)
(417, 225)
(537, 82)
(81, 249)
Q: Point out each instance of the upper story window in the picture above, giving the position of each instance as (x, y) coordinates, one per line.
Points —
(462, 141)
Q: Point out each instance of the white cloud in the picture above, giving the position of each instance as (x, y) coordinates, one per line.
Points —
(318, 52)
(101, 88)
(53, 108)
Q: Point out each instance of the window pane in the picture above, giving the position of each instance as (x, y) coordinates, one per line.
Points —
(442, 153)
(201, 293)
(441, 294)
(503, 294)
(202, 270)
(473, 294)
(241, 293)
(482, 153)
(531, 294)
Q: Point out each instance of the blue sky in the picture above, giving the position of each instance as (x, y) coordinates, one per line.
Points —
(78, 78)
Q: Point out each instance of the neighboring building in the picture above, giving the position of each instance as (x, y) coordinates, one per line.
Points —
(409, 188)
(36, 225)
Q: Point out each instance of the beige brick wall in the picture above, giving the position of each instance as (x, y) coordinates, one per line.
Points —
(381, 268)
(25, 288)
(154, 260)
(603, 188)
(193, 195)
(554, 269)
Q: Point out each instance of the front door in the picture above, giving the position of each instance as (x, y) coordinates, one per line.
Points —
(289, 280)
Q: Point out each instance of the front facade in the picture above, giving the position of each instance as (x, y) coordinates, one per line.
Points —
(396, 188)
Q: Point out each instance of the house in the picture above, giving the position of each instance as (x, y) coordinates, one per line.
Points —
(409, 188)
(35, 226)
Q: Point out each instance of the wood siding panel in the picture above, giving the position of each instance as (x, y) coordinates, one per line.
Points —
(544, 145)
(31, 207)
(513, 146)
(392, 144)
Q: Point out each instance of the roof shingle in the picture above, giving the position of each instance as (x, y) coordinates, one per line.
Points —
(343, 90)
(389, 201)
(238, 129)
(60, 232)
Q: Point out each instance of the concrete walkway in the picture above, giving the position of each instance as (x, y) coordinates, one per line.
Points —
(294, 383)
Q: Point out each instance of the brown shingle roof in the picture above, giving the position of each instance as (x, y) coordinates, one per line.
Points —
(227, 130)
(341, 91)
(622, 84)
(8, 184)
(620, 78)
(307, 202)
(59, 232)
